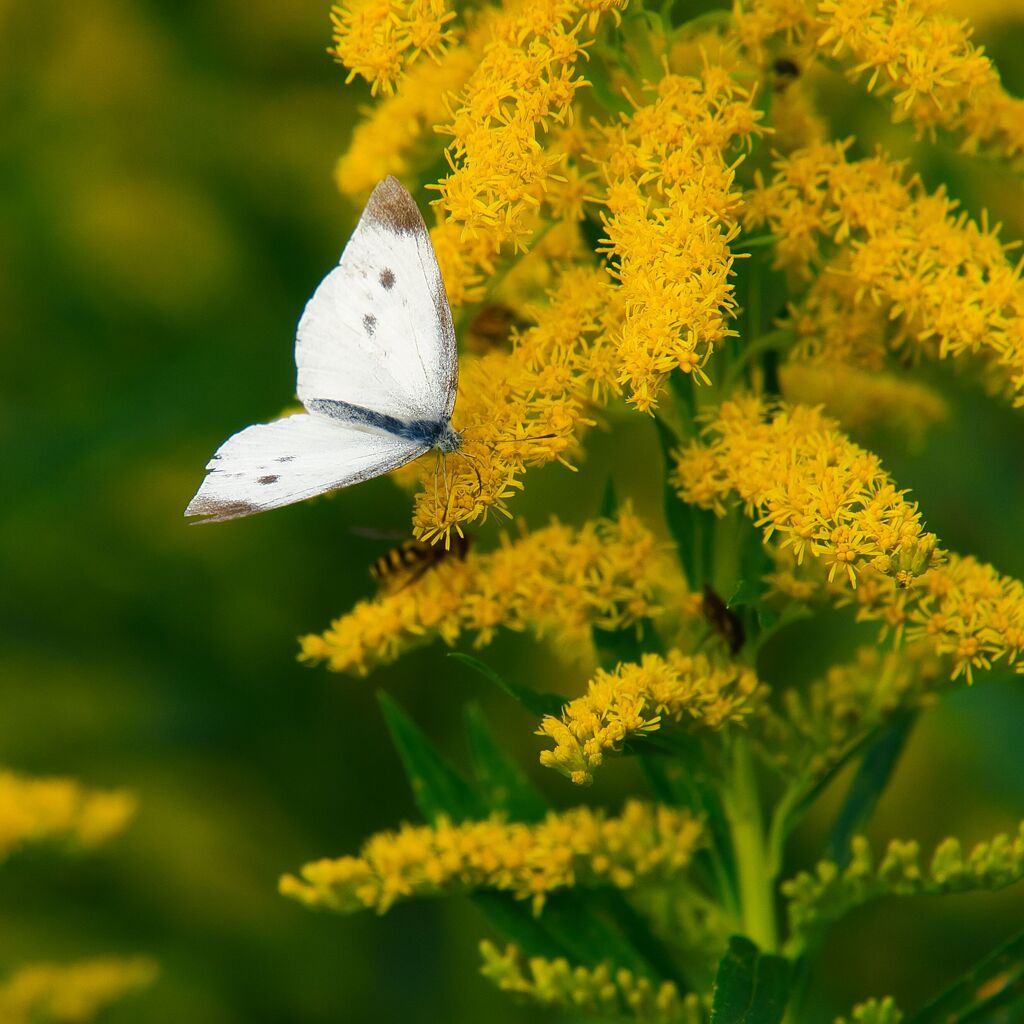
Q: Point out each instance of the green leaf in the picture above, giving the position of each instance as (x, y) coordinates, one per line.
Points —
(437, 788)
(876, 768)
(992, 990)
(537, 702)
(751, 987)
(500, 781)
(692, 528)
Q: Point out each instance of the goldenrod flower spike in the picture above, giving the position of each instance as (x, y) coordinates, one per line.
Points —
(644, 845)
(802, 479)
(670, 208)
(378, 39)
(829, 892)
(70, 993)
(910, 50)
(526, 407)
(637, 699)
(943, 280)
(601, 990)
(36, 810)
(554, 582)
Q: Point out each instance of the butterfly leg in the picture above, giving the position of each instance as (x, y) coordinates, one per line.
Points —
(472, 460)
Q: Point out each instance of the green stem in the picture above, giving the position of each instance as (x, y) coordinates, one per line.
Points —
(746, 823)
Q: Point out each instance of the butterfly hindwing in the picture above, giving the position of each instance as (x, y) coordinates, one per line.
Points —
(378, 332)
(273, 464)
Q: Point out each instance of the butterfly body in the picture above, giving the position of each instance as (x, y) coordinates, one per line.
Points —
(377, 373)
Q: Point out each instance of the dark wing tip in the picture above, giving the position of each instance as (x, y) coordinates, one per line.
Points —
(208, 510)
(391, 205)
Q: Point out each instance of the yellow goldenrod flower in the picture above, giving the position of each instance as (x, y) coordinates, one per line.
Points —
(943, 280)
(911, 50)
(525, 407)
(70, 993)
(795, 119)
(603, 990)
(964, 610)
(645, 844)
(831, 892)
(524, 84)
(669, 215)
(859, 399)
(802, 478)
(637, 699)
(924, 58)
(557, 581)
(815, 726)
(58, 810)
(377, 39)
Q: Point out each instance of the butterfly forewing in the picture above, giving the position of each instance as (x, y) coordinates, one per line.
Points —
(378, 332)
(273, 464)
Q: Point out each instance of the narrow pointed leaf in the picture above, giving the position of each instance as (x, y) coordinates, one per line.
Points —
(992, 990)
(868, 784)
(500, 781)
(438, 789)
(538, 702)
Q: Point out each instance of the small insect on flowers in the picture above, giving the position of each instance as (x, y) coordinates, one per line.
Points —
(404, 565)
(377, 373)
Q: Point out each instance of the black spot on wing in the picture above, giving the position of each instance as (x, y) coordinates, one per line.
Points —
(370, 323)
(285, 458)
(392, 206)
(271, 478)
(387, 278)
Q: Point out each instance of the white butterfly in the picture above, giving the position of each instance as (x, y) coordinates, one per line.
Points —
(377, 372)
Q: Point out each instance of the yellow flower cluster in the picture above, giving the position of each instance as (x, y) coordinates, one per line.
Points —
(830, 892)
(861, 400)
(802, 478)
(944, 280)
(965, 611)
(70, 993)
(912, 50)
(524, 83)
(58, 810)
(635, 699)
(670, 213)
(377, 39)
(525, 407)
(602, 991)
(816, 726)
(557, 581)
(645, 844)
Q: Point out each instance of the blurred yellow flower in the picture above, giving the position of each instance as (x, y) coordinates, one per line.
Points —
(58, 810)
(70, 993)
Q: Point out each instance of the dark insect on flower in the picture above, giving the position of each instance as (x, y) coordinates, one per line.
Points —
(491, 328)
(406, 563)
(724, 622)
(784, 70)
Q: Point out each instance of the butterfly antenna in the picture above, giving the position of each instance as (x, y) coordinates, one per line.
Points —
(473, 459)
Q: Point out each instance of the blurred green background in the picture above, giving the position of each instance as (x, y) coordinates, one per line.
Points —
(166, 207)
